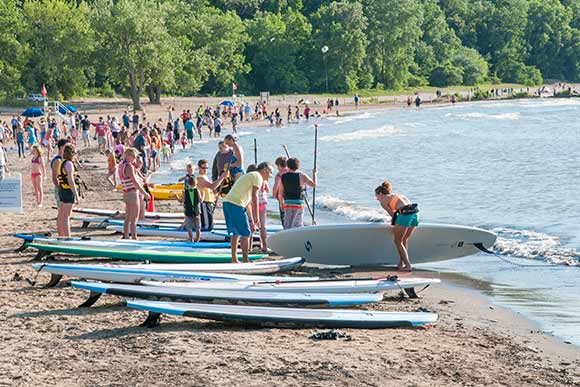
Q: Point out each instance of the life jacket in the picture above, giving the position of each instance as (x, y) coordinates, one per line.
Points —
(62, 177)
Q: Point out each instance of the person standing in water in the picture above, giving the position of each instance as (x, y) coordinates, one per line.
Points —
(404, 218)
(293, 184)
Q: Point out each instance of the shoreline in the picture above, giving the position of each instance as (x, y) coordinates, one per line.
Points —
(50, 341)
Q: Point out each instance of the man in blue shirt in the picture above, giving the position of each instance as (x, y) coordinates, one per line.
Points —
(189, 130)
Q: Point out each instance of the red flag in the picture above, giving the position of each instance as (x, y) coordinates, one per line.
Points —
(43, 91)
(234, 86)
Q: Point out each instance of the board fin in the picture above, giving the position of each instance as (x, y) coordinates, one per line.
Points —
(411, 293)
(153, 320)
(21, 248)
(54, 280)
(90, 301)
(40, 255)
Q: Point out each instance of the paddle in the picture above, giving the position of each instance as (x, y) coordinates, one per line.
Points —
(285, 147)
(315, 156)
(255, 152)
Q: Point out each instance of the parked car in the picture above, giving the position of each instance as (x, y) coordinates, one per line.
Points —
(37, 98)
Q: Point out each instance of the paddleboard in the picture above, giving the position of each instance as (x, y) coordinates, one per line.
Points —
(127, 242)
(229, 296)
(121, 213)
(289, 317)
(102, 221)
(165, 256)
(172, 232)
(321, 286)
(133, 276)
(256, 267)
(372, 243)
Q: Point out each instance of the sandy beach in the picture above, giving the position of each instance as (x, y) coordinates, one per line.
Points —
(48, 341)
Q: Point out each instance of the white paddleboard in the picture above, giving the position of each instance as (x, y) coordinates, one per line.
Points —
(321, 286)
(121, 213)
(231, 296)
(171, 232)
(104, 221)
(289, 317)
(372, 243)
(131, 276)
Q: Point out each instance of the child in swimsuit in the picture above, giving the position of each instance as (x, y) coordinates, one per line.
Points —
(37, 173)
(112, 166)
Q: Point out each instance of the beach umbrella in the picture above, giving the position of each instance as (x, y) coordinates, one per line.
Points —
(66, 109)
(33, 112)
(228, 102)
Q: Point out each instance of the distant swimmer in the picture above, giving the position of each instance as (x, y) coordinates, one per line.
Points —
(404, 218)
(418, 101)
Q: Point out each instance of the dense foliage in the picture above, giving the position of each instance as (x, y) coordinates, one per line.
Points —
(186, 47)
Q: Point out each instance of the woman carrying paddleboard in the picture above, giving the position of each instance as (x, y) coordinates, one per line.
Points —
(404, 218)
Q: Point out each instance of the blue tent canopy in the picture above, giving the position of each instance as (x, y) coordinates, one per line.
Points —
(33, 112)
(66, 109)
(228, 102)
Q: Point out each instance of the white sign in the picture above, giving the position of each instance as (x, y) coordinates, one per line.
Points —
(11, 194)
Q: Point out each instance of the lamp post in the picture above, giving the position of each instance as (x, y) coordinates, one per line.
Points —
(324, 50)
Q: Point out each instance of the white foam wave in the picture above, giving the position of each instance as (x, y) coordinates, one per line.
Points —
(534, 245)
(476, 115)
(350, 209)
(383, 131)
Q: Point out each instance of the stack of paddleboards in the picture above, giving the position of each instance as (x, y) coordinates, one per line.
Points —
(246, 293)
(127, 250)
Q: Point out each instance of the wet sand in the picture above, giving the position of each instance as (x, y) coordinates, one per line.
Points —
(47, 340)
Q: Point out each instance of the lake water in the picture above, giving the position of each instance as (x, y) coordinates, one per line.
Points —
(512, 167)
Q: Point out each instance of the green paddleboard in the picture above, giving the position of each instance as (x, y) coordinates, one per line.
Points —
(141, 255)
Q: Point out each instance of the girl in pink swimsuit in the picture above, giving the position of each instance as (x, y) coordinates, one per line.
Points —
(37, 173)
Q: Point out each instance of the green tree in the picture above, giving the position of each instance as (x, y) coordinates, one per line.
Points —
(135, 46)
(475, 67)
(223, 38)
(13, 51)
(394, 32)
(339, 26)
(60, 41)
(438, 43)
(274, 52)
(446, 74)
(547, 31)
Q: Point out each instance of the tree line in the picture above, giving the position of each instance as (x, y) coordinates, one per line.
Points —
(187, 47)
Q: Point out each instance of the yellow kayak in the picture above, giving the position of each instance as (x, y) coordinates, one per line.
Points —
(163, 191)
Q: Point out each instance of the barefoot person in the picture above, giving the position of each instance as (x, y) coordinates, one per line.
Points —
(293, 184)
(278, 189)
(404, 218)
(191, 201)
(37, 173)
(67, 190)
(208, 194)
(131, 191)
(243, 194)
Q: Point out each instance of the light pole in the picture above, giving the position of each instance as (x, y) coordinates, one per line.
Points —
(324, 50)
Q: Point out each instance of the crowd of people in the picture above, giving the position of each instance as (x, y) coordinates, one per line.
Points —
(134, 148)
